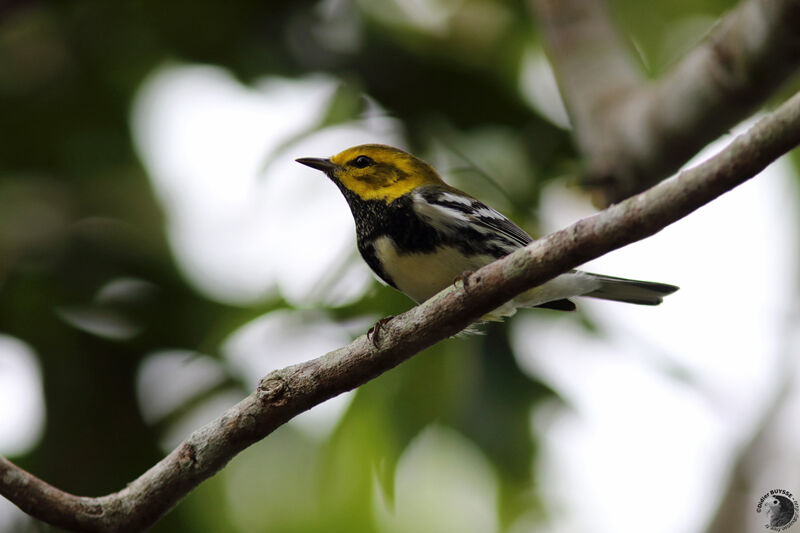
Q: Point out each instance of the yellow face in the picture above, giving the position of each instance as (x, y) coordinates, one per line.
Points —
(380, 172)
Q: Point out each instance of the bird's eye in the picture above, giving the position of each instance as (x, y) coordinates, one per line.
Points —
(362, 161)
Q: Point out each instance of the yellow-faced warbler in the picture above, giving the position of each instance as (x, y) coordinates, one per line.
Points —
(419, 234)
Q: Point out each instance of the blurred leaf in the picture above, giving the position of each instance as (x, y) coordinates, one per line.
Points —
(473, 385)
(497, 416)
(346, 104)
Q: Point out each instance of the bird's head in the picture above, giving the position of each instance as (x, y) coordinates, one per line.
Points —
(376, 171)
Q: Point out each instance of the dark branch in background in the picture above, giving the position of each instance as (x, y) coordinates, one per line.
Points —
(631, 132)
(288, 392)
(735, 507)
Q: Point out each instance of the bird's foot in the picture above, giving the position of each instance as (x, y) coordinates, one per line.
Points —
(463, 280)
(373, 335)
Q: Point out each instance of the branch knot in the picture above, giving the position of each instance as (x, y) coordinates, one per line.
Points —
(271, 388)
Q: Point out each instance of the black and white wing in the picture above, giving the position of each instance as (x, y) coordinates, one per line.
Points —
(479, 231)
(466, 220)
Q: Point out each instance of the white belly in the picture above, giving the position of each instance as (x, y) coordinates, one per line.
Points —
(420, 276)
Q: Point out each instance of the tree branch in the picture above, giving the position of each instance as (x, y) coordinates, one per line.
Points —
(285, 393)
(633, 133)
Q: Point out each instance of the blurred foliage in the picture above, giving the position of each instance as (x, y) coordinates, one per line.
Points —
(77, 212)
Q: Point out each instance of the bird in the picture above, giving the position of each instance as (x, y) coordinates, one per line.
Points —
(419, 235)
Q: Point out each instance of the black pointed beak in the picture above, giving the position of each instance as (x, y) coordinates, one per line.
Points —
(319, 163)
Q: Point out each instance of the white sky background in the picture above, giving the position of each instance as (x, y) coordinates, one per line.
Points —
(639, 442)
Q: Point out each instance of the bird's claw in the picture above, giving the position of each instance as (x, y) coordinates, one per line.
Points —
(463, 279)
(373, 335)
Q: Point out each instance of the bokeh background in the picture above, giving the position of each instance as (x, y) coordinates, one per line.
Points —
(160, 251)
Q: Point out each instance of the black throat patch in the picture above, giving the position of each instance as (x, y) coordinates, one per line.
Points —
(375, 219)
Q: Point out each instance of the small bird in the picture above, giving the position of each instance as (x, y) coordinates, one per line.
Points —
(419, 234)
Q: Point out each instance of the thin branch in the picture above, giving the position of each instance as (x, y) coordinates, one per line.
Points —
(634, 133)
(285, 393)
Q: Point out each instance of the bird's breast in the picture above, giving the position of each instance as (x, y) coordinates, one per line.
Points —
(421, 275)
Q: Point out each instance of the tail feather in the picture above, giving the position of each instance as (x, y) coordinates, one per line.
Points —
(629, 290)
(555, 293)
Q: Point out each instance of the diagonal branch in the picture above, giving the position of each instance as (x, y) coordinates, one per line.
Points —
(285, 393)
(633, 133)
